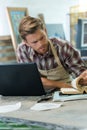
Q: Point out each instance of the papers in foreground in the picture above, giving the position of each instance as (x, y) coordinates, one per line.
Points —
(10, 107)
(45, 106)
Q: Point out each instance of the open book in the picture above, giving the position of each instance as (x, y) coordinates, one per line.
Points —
(77, 88)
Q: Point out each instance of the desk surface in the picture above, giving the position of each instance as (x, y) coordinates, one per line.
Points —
(72, 113)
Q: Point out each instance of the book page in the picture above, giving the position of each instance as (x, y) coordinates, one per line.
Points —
(70, 91)
(75, 83)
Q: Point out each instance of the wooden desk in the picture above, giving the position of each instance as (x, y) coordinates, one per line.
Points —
(71, 113)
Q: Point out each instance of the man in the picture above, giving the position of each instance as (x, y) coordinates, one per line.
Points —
(56, 59)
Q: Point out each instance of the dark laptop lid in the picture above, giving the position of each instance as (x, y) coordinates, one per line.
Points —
(20, 79)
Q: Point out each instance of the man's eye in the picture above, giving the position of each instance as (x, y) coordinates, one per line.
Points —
(35, 41)
(38, 40)
(41, 38)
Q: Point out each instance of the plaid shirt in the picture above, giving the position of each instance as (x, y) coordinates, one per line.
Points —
(69, 57)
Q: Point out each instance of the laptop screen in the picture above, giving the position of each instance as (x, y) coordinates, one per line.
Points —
(20, 79)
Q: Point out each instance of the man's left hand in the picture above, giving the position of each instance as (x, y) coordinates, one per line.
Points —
(83, 75)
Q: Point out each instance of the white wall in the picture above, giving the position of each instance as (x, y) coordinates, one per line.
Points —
(55, 11)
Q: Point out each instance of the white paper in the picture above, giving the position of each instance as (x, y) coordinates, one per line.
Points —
(57, 97)
(45, 106)
(10, 107)
(75, 83)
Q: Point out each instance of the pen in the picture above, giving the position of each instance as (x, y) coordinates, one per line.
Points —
(44, 98)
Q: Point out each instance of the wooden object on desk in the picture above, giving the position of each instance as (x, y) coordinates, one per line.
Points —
(7, 53)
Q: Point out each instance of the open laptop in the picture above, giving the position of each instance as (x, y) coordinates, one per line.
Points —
(20, 79)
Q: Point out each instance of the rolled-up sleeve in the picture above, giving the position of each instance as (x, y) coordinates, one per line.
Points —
(72, 60)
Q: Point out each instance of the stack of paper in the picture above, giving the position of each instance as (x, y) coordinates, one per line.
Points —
(58, 97)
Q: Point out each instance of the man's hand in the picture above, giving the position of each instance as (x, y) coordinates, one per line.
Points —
(47, 83)
(83, 75)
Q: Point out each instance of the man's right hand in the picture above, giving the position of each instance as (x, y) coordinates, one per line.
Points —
(47, 83)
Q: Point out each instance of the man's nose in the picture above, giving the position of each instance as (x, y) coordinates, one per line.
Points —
(39, 42)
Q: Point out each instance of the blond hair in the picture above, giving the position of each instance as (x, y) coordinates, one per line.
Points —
(29, 25)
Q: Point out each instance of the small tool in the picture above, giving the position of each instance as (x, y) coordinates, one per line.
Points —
(44, 98)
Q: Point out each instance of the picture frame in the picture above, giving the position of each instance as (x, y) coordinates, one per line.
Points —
(81, 42)
(84, 33)
(14, 16)
(55, 30)
(74, 15)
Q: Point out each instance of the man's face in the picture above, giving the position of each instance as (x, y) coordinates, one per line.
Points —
(38, 41)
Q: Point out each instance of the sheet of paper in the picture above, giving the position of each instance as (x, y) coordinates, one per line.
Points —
(10, 107)
(57, 97)
(45, 106)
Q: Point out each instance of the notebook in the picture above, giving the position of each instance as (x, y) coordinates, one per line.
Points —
(20, 79)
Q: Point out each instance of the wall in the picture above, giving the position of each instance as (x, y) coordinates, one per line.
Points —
(55, 11)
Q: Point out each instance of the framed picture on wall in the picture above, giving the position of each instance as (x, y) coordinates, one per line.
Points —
(75, 14)
(84, 33)
(82, 36)
(14, 16)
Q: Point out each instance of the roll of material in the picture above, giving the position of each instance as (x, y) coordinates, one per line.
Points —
(77, 84)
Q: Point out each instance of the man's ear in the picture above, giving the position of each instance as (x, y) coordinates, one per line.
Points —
(45, 30)
(25, 42)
